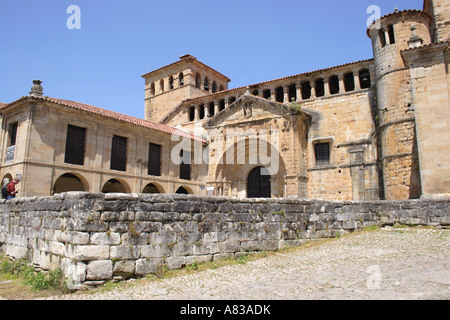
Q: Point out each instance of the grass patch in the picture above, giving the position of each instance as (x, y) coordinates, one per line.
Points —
(38, 281)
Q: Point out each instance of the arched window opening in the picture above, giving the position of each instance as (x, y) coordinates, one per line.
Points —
(320, 88)
(152, 89)
(222, 105)
(391, 34)
(68, 182)
(181, 79)
(161, 86)
(198, 81)
(191, 113)
(221, 88)
(382, 37)
(255, 92)
(171, 83)
(231, 100)
(334, 84)
(267, 94)
(292, 93)
(306, 90)
(151, 188)
(279, 94)
(206, 84)
(113, 186)
(364, 79)
(214, 87)
(349, 82)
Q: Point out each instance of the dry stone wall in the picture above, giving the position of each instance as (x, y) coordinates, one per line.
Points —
(94, 237)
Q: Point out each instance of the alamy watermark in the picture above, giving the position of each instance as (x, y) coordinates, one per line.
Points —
(74, 20)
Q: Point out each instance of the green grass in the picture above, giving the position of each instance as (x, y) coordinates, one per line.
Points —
(21, 269)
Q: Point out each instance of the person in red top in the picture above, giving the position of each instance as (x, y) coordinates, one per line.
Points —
(11, 188)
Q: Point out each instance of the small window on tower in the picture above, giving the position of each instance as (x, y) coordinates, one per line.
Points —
(391, 34)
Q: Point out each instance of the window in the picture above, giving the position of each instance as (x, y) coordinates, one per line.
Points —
(292, 93)
(201, 112)
(306, 90)
(334, 85)
(152, 89)
(279, 96)
(154, 159)
(267, 94)
(171, 83)
(391, 34)
(181, 79)
(382, 37)
(185, 165)
(214, 87)
(211, 109)
(206, 84)
(349, 82)
(13, 134)
(119, 153)
(231, 100)
(320, 88)
(192, 114)
(197, 80)
(75, 145)
(364, 79)
(221, 105)
(255, 92)
(322, 153)
(161, 86)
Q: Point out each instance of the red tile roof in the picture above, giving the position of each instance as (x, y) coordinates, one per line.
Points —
(111, 114)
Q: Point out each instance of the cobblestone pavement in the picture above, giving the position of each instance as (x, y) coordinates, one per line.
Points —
(391, 263)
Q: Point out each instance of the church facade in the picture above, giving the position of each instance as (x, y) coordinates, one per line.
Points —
(366, 130)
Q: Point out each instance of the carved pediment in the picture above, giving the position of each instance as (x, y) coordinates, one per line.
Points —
(249, 108)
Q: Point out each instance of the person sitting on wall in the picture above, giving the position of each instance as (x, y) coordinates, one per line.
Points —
(11, 188)
(4, 188)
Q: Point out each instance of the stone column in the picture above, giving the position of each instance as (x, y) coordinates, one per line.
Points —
(341, 83)
(285, 94)
(298, 89)
(197, 113)
(326, 85)
(357, 84)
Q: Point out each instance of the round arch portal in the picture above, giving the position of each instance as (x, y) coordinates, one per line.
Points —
(114, 186)
(69, 182)
(258, 183)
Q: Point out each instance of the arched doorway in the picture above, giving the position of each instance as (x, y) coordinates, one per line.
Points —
(151, 188)
(7, 176)
(258, 183)
(68, 182)
(182, 190)
(113, 186)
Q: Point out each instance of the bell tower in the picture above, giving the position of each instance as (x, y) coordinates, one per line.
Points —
(167, 87)
(395, 114)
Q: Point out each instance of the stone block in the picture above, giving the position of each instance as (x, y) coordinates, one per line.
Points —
(99, 270)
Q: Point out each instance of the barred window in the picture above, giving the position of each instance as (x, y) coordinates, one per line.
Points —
(75, 145)
(322, 152)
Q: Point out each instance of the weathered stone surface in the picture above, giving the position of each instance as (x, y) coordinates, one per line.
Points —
(94, 245)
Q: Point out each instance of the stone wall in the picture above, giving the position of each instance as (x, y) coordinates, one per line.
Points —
(94, 237)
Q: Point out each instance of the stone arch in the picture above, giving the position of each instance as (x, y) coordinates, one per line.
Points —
(153, 188)
(183, 190)
(8, 176)
(70, 182)
(231, 178)
(116, 186)
(258, 183)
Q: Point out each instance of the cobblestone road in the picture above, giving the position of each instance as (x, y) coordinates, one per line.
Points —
(391, 263)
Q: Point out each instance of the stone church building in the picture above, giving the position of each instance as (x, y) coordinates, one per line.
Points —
(372, 129)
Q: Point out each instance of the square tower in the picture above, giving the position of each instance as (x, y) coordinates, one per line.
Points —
(167, 87)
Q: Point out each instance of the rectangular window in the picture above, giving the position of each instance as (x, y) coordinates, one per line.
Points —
(154, 160)
(12, 134)
(322, 152)
(75, 145)
(185, 166)
(119, 153)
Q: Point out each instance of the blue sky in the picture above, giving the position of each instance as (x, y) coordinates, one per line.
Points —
(101, 64)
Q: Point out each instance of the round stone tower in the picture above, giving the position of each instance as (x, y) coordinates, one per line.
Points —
(395, 115)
